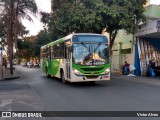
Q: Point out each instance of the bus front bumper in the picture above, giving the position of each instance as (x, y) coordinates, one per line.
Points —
(85, 78)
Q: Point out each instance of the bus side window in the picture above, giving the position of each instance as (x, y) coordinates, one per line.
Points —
(47, 52)
(52, 52)
(56, 51)
(62, 50)
(65, 51)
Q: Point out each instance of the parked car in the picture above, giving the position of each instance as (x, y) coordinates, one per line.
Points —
(24, 64)
(8, 66)
(36, 64)
(30, 64)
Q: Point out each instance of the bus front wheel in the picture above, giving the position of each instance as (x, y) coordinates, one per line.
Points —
(63, 78)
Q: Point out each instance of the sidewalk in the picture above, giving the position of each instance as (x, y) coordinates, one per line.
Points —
(140, 79)
(7, 75)
(17, 95)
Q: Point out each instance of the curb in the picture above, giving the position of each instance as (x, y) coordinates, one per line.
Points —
(10, 78)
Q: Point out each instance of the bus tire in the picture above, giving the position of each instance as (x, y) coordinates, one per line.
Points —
(47, 75)
(62, 77)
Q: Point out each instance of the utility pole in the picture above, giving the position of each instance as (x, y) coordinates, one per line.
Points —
(1, 60)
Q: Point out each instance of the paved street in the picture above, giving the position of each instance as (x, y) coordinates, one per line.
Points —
(33, 91)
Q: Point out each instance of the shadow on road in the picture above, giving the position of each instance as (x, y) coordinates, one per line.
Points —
(78, 84)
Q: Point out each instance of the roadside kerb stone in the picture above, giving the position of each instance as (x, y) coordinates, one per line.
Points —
(140, 79)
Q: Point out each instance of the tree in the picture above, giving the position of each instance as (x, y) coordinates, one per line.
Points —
(13, 11)
(64, 21)
(42, 38)
(22, 31)
(29, 47)
(25, 49)
(95, 15)
(122, 14)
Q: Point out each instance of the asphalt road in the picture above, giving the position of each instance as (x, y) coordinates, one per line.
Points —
(113, 95)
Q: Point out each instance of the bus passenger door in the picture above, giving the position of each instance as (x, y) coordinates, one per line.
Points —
(68, 57)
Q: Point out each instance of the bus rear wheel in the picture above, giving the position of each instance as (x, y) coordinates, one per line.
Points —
(47, 74)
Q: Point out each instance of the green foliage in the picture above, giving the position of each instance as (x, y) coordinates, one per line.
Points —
(29, 47)
(22, 32)
(45, 17)
(41, 39)
(74, 16)
(25, 49)
(94, 16)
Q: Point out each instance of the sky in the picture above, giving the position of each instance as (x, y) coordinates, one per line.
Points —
(45, 5)
(157, 2)
(35, 26)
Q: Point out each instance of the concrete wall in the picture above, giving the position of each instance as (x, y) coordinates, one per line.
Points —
(122, 41)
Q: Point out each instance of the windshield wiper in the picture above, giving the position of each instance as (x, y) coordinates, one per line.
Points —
(97, 47)
(85, 46)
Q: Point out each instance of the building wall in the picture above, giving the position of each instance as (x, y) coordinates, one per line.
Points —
(150, 34)
(147, 3)
(152, 11)
(122, 50)
(123, 38)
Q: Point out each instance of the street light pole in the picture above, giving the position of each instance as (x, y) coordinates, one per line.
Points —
(1, 60)
(2, 42)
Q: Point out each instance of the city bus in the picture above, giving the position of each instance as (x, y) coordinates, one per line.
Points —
(78, 57)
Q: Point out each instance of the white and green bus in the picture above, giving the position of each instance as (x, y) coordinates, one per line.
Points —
(77, 57)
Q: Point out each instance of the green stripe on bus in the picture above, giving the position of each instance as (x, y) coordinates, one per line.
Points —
(54, 66)
(56, 42)
(100, 68)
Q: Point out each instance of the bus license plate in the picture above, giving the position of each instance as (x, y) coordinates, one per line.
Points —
(105, 77)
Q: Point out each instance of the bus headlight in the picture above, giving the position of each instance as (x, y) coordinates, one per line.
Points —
(107, 70)
(76, 71)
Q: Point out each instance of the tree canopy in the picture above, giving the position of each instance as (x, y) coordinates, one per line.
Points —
(94, 16)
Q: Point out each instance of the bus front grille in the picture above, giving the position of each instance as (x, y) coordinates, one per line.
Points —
(91, 69)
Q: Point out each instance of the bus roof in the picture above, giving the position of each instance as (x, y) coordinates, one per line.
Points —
(66, 38)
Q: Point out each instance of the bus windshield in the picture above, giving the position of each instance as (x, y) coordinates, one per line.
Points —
(90, 53)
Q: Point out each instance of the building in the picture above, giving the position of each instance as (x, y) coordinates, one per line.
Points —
(133, 48)
(147, 44)
(147, 3)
